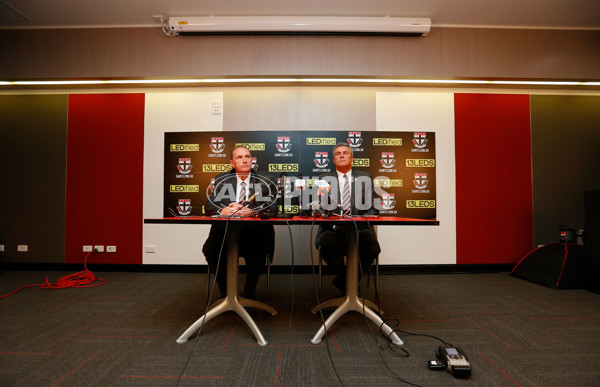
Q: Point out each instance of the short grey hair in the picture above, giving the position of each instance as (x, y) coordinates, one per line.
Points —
(345, 144)
(237, 147)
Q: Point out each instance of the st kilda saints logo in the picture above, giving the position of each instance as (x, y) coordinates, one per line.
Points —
(321, 159)
(354, 139)
(185, 165)
(387, 160)
(388, 202)
(211, 187)
(420, 180)
(283, 144)
(420, 140)
(217, 144)
(254, 164)
(184, 207)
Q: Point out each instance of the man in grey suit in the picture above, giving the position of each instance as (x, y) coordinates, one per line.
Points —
(351, 193)
(240, 192)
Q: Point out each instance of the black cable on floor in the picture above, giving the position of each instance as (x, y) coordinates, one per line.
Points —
(315, 281)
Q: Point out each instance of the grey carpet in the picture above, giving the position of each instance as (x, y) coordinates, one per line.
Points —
(123, 333)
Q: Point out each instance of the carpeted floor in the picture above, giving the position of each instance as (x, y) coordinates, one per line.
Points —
(516, 333)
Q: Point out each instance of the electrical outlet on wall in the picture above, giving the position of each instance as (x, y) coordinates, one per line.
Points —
(111, 249)
(87, 248)
(99, 249)
(22, 248)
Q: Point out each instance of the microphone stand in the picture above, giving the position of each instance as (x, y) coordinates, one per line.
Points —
(300, 209)
(282, 179)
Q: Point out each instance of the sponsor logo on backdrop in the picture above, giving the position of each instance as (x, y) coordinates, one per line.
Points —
(184, 207)
(290, 209)
(420, 163)
(184, 167)
(184, 188)
(211, 189)
(216, 168)
(420, 183)
(185, 147)
(387, 141)
(355, 141)
(254, 164)
(387, 183)
(387, 160)
(217, 144)
(361, 162)
(321, 141)
(284, 168)
(284, 146)
(420, 204)
(252, 146)
(420, 142)
(321, 161)
(388, 202)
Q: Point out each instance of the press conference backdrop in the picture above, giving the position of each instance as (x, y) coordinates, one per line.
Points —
(402, 165)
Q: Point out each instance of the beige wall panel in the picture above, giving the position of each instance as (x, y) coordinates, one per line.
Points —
(337, 109)
(299, 109)
(346, 55)
(210, 56)
(255, 109)
(517, 53)
(568, 54)
(133, 52)
(294, 55)
(413, 57)
(445, 52)
(476, 53)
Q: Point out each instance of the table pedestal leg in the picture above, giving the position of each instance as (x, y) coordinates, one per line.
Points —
(351, 302)
(232, 302)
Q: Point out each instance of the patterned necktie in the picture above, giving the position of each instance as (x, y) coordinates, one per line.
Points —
(346, 195)
(242, 197)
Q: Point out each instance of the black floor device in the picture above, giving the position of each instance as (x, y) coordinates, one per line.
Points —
(455, 360)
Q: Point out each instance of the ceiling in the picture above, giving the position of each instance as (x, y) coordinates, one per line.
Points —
(556, 14)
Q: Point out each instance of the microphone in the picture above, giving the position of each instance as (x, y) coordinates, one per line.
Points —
(316, 206)
(300, 184)
(282, 179)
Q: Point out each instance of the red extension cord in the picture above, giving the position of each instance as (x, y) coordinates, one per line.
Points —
(82, 279)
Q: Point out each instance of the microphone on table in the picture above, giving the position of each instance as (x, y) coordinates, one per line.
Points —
(281, 191)
(316, 206)
(300, 183)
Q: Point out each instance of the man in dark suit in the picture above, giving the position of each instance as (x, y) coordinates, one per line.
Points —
(240, 192)
(350, 193)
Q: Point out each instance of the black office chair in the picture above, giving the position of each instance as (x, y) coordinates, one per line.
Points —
(375, 279)
(269, 260)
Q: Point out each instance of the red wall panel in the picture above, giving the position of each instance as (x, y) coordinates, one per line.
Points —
(105, 143)
(494, 213)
